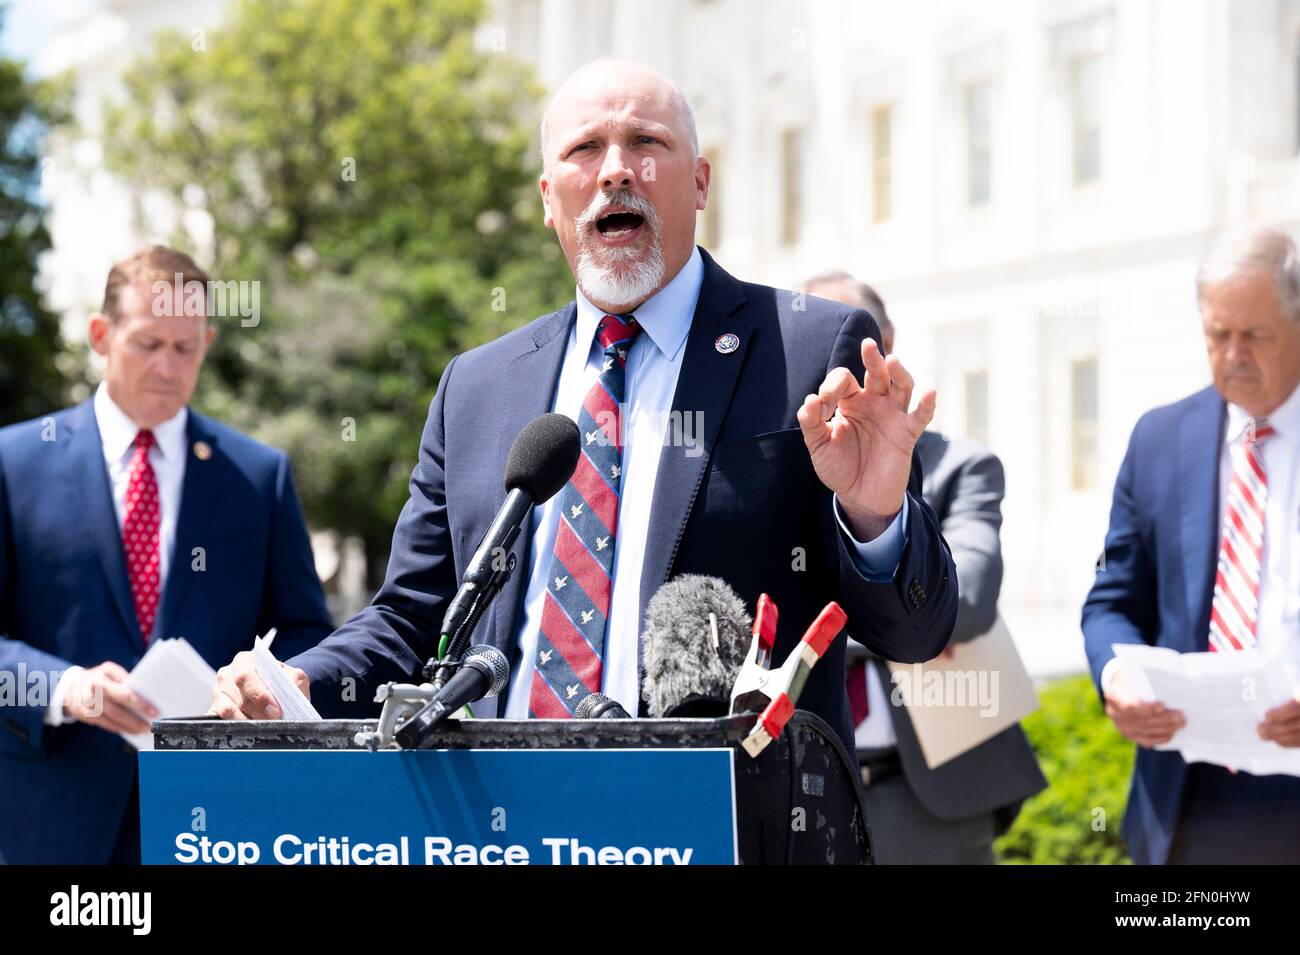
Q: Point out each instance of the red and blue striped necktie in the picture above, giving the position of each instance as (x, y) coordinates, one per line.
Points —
(571, 644)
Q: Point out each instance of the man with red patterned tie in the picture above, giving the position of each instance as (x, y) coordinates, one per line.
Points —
(124, 520)
(728, 429)
(1203, 554)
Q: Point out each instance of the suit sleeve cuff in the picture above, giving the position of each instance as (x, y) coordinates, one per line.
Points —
(54, 712)
(877, 560)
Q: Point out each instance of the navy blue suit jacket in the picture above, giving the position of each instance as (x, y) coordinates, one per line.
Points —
(65, 599)
(1157, 581)
(742, 510)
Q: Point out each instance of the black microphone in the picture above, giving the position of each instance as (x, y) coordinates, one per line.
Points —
(696, 637)
(483, 673)
(541, 461)
(598, 706)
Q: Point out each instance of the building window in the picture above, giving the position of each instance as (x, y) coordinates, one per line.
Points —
(1083, 424)
(711, 217)
(791, 185)
(979, 143)
(882, 149)
(977, 406)
(1085, 118)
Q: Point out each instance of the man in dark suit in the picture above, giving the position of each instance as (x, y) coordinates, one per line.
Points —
(126, 520)
(718, 423)
(1203, 554)
(950, 814)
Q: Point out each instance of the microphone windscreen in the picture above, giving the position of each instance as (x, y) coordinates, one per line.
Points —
(543, 457)
(682, 668)
(598, 706)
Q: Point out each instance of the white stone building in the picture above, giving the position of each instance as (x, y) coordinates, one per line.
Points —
(1028, 183)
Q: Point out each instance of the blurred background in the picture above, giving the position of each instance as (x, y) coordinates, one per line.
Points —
(1029, 184)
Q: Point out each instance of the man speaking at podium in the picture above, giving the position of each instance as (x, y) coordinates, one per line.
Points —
(762, 438)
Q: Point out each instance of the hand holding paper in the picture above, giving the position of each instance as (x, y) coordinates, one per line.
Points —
(1147, 723)
(256, 686)
(1282, 724)
(1226, 699)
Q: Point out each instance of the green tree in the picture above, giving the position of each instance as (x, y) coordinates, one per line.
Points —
(370, 167)
(31, 382)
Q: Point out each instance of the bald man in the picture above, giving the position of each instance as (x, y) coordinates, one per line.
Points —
(793, 476)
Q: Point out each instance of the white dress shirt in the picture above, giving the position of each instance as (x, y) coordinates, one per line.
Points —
(167, 456)
(653, 364)
(877, 730)
(1278, 627)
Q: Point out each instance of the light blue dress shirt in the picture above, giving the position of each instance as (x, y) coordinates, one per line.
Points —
(653, 365)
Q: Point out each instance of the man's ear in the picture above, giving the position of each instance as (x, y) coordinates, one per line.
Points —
(703, 176)
(97, 328)
(212, 333)
(544, 186)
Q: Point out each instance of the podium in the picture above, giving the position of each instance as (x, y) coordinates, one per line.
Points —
(679, 791)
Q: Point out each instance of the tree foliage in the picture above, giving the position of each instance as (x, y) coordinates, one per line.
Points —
(1088, 765)
(369, 165)
(31, 381)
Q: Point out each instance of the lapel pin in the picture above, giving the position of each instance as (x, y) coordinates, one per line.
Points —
(727, 343)
(202, 450)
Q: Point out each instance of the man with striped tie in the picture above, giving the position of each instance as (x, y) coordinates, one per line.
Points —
(1203, 554)
(728, 429)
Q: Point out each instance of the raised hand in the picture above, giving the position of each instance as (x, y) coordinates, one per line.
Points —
(860, 437)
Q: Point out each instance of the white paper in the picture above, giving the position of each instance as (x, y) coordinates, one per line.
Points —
(293, 704)
(173, 677)
(1223, 697)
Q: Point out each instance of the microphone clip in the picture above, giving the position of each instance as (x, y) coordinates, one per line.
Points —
(774, 693)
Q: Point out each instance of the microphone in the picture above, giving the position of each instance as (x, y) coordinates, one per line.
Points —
(598, 706)
(483, 673)
(696, 637)
(541, 461)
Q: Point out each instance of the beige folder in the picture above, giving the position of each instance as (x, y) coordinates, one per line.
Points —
(960, 701)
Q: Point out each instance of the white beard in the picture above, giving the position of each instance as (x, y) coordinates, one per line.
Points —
(620, 284)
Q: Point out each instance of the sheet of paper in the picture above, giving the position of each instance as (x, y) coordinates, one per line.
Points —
(293, 705)
(173, 677)
(1223, 696)
(958, 702)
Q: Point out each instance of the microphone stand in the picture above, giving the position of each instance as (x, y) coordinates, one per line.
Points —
(452, 647)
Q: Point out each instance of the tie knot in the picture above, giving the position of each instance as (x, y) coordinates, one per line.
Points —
(144, 439)
(618, 330)
(1257, 431)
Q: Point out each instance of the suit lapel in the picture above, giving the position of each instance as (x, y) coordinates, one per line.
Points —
(704, 387)
(529, 384)
(200, 497)
(1200, 438)
(91, 488)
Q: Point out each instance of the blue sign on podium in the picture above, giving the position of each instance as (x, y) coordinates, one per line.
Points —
(438, 807)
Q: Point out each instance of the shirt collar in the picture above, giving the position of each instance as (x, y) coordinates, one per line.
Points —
(1285, 419)
(665, 316)
(117, 432)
